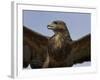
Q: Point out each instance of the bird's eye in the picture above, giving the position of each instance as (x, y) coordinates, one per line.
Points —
(55, 22)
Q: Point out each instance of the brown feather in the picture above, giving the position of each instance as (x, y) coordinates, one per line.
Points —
(37, 45)
(63, 51)
(57, 51)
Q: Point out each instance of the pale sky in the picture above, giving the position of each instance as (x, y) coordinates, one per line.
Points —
(79, 24)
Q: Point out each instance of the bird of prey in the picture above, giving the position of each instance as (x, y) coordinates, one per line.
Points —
(58, 50)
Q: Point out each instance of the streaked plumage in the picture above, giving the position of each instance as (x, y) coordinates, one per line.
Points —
(56, 51)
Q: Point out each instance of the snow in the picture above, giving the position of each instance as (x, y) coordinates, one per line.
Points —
(88, 63)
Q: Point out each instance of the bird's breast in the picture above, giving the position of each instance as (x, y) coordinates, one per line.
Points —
(57, 41)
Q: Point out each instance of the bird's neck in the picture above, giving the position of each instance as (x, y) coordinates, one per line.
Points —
(62, 34)
(60, 38)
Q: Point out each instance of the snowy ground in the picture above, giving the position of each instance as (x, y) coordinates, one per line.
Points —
(83, 64)
(76, 65)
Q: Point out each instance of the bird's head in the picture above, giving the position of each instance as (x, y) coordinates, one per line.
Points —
(57, 25)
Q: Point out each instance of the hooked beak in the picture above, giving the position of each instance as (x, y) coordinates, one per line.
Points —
(50, 26)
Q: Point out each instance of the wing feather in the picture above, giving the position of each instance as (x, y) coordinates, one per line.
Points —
(37, 48)
(81, 51)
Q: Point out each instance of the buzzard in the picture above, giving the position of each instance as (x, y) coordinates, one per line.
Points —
(58, 50)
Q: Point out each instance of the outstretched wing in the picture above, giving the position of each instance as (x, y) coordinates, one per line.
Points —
(34, 48)
(81, 51)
